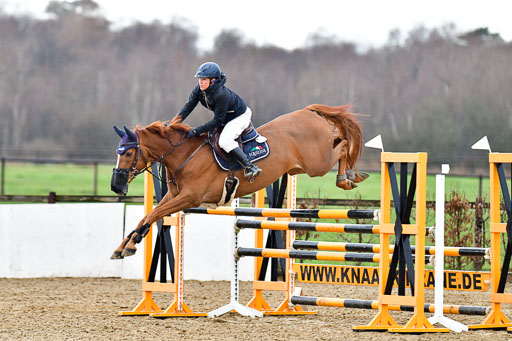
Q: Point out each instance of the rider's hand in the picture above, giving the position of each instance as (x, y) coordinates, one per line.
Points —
(192, 132)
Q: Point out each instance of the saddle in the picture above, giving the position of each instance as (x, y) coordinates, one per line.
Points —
(253, 144)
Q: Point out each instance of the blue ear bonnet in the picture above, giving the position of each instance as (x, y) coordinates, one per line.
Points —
(128, 140)
(125, 144)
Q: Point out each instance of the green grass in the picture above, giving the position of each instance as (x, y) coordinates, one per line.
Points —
(63, 179)
(325, 187)
(70, 179)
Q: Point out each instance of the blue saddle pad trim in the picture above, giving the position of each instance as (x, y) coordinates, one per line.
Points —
(254, 150)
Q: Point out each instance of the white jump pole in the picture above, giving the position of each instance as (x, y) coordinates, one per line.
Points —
(438, 316)
(234, 305)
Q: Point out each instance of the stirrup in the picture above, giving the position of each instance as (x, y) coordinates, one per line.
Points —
(251, 173)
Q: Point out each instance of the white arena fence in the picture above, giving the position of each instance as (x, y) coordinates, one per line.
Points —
(77, 240)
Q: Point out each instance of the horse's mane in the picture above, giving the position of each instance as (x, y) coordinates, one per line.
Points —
(347, 124)
(164, 128)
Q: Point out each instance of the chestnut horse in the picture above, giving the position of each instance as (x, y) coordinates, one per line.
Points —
(310, 140)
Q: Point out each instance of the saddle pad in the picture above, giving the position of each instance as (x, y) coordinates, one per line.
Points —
(254, 150)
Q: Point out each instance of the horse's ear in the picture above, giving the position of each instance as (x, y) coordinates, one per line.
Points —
(119, 131)
(130, 133)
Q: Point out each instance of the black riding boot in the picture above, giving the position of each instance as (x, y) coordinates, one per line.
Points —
(251, 171)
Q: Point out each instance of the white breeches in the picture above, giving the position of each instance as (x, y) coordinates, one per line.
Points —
(233, 129)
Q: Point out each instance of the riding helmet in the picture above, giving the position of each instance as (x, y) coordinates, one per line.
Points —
(208, 70)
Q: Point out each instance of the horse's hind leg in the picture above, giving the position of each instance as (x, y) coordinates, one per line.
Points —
(356, 176)
(342, 180)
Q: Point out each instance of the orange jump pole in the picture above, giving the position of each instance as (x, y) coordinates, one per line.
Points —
(287, 213)
(315, 255)
(369, 304)
(307, 226)
(375, 248)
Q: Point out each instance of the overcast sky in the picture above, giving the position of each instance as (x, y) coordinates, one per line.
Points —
(288, 23)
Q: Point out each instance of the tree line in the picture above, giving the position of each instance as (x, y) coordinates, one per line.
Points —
(65, 80)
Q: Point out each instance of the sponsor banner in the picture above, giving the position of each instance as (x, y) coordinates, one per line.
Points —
(362, 275)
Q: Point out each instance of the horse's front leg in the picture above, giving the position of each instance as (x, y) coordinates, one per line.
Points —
(180, 202)
(117, 254)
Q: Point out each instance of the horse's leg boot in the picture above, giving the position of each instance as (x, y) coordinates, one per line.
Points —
(251, 171)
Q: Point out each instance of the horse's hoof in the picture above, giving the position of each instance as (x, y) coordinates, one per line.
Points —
(356, 176)
(360, 176)
(128, 252)
(116, 255)
(346, 184)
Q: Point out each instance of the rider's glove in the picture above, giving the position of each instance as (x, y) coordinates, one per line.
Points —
(192, 132)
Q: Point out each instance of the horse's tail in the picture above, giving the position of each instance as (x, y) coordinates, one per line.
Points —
(347, 124)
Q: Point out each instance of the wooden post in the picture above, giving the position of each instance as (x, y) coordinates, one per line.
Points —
(383, 320)
(496, 319)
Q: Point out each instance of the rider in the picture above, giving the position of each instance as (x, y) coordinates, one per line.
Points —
(229, 110)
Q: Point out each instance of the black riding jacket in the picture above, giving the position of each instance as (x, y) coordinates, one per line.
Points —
(225, 104)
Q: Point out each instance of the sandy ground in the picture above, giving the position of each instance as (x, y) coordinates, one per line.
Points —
(86, 309)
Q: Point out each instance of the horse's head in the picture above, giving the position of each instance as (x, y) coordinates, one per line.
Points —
(129, 163)
(135, 153)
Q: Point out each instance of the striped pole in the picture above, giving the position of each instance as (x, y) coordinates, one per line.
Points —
(287, 213)
(307, 226)
(316, 255)
(375, 248)
(369, 304)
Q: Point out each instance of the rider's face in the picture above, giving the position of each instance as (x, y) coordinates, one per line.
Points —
(204, 83)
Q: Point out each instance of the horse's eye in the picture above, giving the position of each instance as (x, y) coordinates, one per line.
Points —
(129, 154)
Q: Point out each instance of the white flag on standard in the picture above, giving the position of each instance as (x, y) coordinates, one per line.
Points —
(482, 144)
(376, 143)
